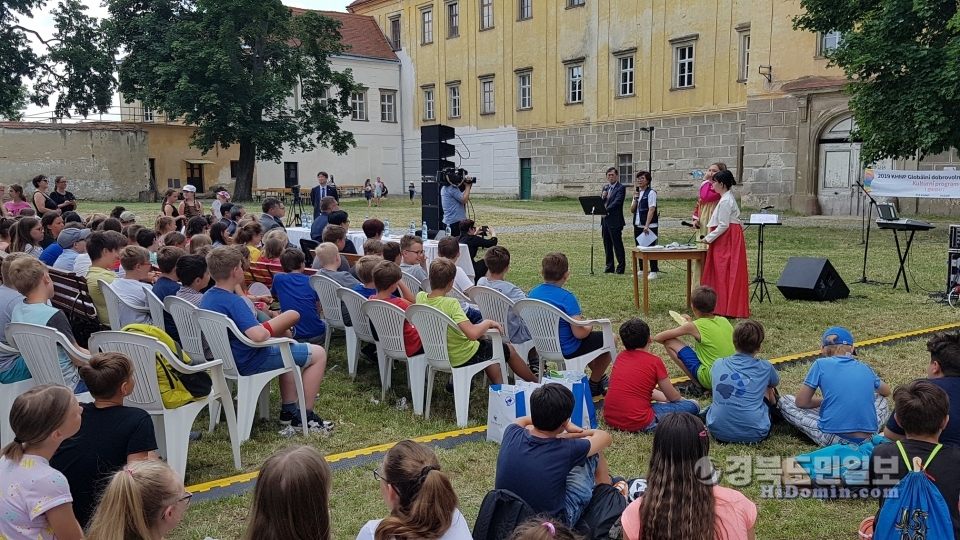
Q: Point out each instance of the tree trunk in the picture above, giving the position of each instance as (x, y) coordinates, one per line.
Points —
(243, 191)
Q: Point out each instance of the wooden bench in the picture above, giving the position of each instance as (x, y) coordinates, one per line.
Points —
(71, 295)
(350, 190)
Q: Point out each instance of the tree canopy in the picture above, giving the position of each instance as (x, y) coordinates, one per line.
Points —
(903, 61)
(231, 68)
(75, 63)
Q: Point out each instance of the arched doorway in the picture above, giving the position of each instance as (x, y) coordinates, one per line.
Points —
(839, 169)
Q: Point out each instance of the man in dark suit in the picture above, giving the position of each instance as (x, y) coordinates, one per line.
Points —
(323, 190)
(611, 225)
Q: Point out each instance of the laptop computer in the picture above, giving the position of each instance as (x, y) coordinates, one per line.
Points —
(887, 212)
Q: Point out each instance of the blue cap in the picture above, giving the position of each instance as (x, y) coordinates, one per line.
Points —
(837, 336)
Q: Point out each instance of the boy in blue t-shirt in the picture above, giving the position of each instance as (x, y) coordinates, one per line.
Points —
(574, 340)
(554, 474)
(293, 290)
(743, 385)
(225, 265)
(853, 405)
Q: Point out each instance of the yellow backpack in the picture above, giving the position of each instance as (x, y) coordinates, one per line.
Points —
(173, 390)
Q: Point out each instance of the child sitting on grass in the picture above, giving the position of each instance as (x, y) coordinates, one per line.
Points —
(744, 389)
(633, 384)
(550, 462)
(292, 288)
(712, 334)
(291, 499)
(225, 264)
(30, 278)
(854, 401)
(469, 345)
(574, 340)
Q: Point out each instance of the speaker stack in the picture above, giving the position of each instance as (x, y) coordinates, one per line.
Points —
(953, 259)
(809, 278)
(434, 151)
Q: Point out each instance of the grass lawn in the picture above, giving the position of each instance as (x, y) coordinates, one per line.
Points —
(792, 327)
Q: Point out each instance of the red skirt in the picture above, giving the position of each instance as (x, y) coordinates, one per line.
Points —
(726, 271)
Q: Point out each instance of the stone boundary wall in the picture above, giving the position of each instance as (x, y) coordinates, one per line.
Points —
(770, 151)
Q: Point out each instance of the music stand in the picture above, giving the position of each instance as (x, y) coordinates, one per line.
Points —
(593, 205)
(760, 285)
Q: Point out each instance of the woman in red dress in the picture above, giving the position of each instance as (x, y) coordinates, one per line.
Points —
(726, 266)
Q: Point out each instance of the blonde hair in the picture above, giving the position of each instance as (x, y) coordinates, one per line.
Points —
(35, 415)
(277, 233)
(273, 246)
(327, 253)
(427, 499)
(198, 241)
(834, 350)
(26, 274)
(134, 501)
(365, 266)
(5, 267)
(164, 222)
(131, 256)
(292, 497)
(222, 261)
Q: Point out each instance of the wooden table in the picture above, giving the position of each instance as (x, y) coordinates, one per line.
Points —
(688, 255)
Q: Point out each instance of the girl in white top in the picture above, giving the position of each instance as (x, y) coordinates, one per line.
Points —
(421, 500)
(35, 499)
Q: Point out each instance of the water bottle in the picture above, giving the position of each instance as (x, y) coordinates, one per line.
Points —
(413, 228)
(423, 232)
(386, 228)
(305, 219)
(447, 230)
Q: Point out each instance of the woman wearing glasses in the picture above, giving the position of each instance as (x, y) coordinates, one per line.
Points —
(64, 200)
(41, 201)
(144, 500)
(419, 495)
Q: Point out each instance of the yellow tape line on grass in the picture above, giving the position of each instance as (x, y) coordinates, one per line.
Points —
(224, 482)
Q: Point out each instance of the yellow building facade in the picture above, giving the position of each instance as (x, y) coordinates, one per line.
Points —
(547, 95)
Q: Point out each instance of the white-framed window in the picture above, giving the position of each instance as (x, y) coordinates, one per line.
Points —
(486, 14)
(744, 62)
(575, 3)
(626, 71)
(429, 110)
(426, 26)
(829, 41)
(524, 91)
(395, 32)
(358, 101)
(625, 167)
(683, 65)
(453, 99)
(325, 98)
(147, 114)
(487, 104)
(388, 104)
(453, 19)
(525, 9)
(575, 84)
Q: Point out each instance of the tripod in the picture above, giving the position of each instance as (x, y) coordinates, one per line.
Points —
(866, 245)
(296, 219)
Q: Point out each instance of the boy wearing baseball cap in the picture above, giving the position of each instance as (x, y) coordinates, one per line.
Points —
(853, 406)
(74, 242)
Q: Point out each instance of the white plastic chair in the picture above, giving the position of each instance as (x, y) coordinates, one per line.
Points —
(114, 302)
(425, 285)
(412, 283)
(388, 319)
(432, 325)
(543, 321)
(459, 296)
(332, 316)
(172, 425)
(191, 340)
(155, 305)
(8, 393)
(251, 389)
(361, 327)
(495, 306)
(38, 346)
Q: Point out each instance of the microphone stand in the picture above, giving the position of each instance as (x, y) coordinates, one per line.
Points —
(866, 245)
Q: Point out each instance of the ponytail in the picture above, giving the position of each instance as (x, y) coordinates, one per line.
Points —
(134, 501)
(427, 499)
(35, 415)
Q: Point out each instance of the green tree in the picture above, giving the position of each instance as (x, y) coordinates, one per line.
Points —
(75, 63)
(230, 68)
(902, 58)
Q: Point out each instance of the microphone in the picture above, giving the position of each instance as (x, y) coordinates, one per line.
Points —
(686, 224)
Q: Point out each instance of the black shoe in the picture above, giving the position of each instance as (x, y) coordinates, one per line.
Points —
(620, 269)
(196, 435)
(608, 270)
(369, 353)
(534, 363)
(313, 420)
(599, 388)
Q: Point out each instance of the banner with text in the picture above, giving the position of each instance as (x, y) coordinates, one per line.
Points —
(922, 184)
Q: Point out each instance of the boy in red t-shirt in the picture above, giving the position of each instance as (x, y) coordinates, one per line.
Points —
(633, 402)
(387, 277)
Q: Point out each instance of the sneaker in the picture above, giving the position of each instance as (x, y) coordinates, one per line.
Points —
(534, 363)
(652, 275)
(599, 388)
(314, 421)
(369, 353)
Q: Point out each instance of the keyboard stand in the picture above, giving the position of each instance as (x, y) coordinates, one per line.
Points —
(903, 258)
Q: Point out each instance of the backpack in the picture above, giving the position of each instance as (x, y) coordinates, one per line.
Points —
(500, 513)
(176, 389)
(918, 509)
(601, 517)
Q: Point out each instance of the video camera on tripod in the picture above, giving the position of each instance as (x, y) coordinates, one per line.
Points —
(451, 176)
(295, 192)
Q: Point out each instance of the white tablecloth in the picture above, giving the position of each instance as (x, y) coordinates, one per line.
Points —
(358, 238)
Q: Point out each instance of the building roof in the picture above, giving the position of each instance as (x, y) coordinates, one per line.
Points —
(360, 33)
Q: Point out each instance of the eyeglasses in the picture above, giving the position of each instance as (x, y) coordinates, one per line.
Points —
(186, 498)
(415, 252)
(377, 476)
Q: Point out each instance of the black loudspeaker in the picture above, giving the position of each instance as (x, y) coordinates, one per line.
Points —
(433, 215)
(437, 132)
(808, 278)
(436, 150)
(430, 192)
(430, 167)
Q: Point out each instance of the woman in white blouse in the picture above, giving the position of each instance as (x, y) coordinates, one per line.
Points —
(725, 269)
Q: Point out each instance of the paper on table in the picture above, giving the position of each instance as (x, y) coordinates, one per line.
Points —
(646, 239)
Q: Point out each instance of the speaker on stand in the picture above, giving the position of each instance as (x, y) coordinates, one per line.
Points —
(434, 151)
